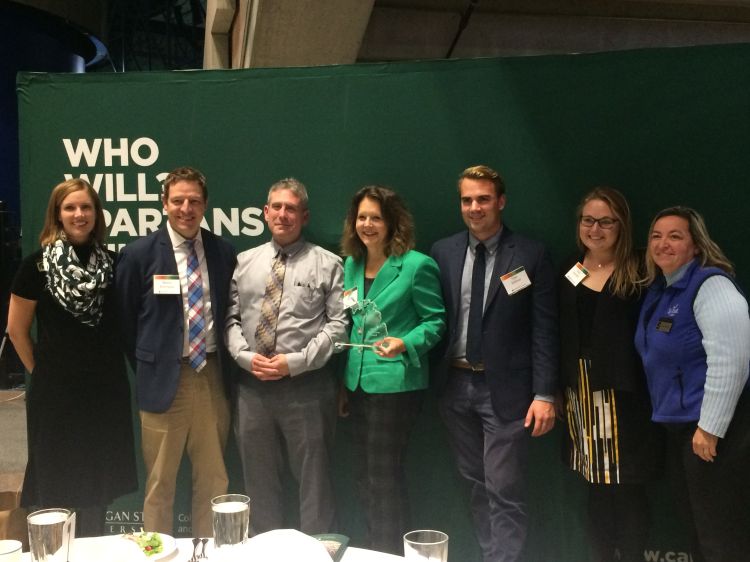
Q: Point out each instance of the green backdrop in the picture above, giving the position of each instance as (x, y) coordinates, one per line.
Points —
(666, 126)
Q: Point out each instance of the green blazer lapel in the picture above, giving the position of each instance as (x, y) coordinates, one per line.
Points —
(503, 259)
(390, 270)
(358, 274)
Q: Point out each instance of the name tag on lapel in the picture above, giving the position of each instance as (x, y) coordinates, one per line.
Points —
(350, 298)
(664, 325)
(577, 274)
(166, 284)
(516, 280)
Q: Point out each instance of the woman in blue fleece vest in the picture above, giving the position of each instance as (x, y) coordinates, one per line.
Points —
(694, 338)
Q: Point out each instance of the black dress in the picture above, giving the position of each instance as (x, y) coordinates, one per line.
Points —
(610, 438)
(80, 427)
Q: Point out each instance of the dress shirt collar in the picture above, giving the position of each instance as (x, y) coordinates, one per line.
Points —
(289, 249)
(490, 245)
(677, 274)
(178, 239)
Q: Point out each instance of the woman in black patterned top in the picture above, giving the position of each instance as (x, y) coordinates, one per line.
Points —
(80, 430)
(610, 440)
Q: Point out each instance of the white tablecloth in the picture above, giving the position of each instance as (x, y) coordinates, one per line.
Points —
(116, 549)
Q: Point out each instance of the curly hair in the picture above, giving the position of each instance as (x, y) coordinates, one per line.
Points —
(398, 221)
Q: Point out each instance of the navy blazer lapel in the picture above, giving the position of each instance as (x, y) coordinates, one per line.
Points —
(456, 270)
(503, 259)
(168, 260)
(169, 263)
(388, 272)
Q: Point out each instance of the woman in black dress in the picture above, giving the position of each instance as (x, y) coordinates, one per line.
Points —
(610, 440)
(80, 432)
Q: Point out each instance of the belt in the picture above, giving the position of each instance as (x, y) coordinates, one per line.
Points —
(186, 359)
(465, 365)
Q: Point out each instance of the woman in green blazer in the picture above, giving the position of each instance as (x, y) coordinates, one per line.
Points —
(393, 295)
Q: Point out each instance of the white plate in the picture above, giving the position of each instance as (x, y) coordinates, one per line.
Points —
(284, 545)
(170, 545)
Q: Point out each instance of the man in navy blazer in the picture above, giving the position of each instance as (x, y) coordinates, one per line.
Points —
(183, 406)
(500, 362)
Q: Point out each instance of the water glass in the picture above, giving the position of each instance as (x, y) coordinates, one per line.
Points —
(231, 519)
(51, 532)
(425, 545)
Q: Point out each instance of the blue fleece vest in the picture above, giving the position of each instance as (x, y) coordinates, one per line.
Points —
(671, 346)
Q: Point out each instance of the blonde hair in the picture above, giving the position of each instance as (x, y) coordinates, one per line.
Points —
(53, 229)
(482, 172)
(626, 277)
(709, 253)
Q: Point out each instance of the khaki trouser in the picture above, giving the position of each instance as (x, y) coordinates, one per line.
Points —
(196, 422)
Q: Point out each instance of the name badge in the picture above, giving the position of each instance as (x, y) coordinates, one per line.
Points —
(577, 274)
(166, 284)
(515, 280)
(350, 298)
(664, 325)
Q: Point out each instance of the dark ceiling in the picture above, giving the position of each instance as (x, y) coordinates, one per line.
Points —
(169, 34)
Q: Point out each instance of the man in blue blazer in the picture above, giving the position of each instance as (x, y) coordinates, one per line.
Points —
(173, 287)
(500, 362)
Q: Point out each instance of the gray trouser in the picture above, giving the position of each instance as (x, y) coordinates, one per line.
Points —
(297, 414)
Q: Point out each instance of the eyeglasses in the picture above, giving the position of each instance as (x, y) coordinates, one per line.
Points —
(605, 222)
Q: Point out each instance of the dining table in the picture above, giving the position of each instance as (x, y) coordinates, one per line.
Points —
(115, 548)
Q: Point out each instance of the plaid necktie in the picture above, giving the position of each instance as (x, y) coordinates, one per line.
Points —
(196, 322)
(265, 332)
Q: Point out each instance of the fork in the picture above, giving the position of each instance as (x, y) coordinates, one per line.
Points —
(194, 557)
(202, 555)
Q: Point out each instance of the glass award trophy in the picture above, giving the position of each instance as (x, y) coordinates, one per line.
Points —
(373, 328)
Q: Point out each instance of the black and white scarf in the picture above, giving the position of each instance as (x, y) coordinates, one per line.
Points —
(78, 289)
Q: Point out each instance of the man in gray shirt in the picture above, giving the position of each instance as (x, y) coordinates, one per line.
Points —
(285, 314)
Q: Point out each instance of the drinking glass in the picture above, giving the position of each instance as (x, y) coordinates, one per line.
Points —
(231, 519)
(51, 532)
(426, 545)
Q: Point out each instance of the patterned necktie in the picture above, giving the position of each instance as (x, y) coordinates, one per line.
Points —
(196, 322)
(265, 332)
(476, 309)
